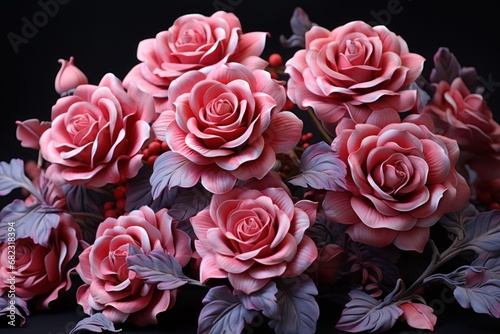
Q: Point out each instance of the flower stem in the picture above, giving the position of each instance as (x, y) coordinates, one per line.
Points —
(319, 126)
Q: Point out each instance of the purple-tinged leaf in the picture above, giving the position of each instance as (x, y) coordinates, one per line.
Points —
(446, 66)
(20, 309)
(157, 267)
(454, 222)
(34, 221)
(300, 24)
(139, 194)
(96, 323)
(12, 177)
(483, 298)
(365, 313)
(299, 311)
(173, 170)
(482, 233)
(321, 168)
(223, 313)
(476, 286)
(263, 300)
(189, 202)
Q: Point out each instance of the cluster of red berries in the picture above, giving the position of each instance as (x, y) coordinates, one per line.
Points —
(153, 150)
(116, 207)
(305, 139)
(487, 199)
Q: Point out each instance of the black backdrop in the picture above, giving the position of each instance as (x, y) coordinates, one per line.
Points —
(103, 37)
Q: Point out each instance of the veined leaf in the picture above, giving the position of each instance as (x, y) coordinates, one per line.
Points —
(321, 168)
(96, 323)
(12, 177)
(223, 313)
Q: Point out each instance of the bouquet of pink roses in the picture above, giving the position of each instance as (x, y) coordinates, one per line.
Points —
(195, 169)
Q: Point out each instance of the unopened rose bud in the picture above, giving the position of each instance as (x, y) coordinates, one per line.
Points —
(69, 77)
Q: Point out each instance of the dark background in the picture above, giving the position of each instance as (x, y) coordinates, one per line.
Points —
(103, 37)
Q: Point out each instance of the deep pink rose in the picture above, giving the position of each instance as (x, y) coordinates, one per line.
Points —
(42, 272)
(254, 233)
(193, 42)
(97, 133)
(109, 286)
(355, 70)
(401, 179)
(224, 126)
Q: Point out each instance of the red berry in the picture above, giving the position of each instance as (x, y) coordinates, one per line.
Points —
(120, 204)
(289, 105)
(309, 135)
(275, 60)
(274, 75)
(145, 153)
(110, 213)
(164, 146)
(303, 138)
(493, 206)
(109, 205)
(151, 161)
(305, 145)
(154, 148)
(119, 192)
(485, 197)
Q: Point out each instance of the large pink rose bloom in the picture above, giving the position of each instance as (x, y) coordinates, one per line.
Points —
(109, 286)
(355, 71)
(193, 42)
(41, 272)
(464, 116)
(224, 126)
(97, 133)
(401, 179)
(254, 233)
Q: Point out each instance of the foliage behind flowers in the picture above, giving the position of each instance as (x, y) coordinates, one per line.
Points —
(194, 171)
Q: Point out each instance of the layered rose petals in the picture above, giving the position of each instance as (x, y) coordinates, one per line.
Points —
(42, 272)
(97, 133)
(230, 122)
(354, 71)
(401, 180)
(254, 233)
(193, 42)
(109, 286)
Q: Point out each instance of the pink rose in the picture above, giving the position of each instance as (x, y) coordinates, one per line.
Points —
(224, 126)
(464, 116)
(355, 70)
(401, 179)
(193, 42)
(109, 286)
(42, 272)
(96, 134)
(254, 233)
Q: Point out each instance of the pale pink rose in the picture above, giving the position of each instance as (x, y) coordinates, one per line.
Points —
(227, 125)
(109, 286)
(42, 272)
(97, 133)
(193, 42)
(254, 233)
(69, 77)
(400, 180)
(355, 71)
